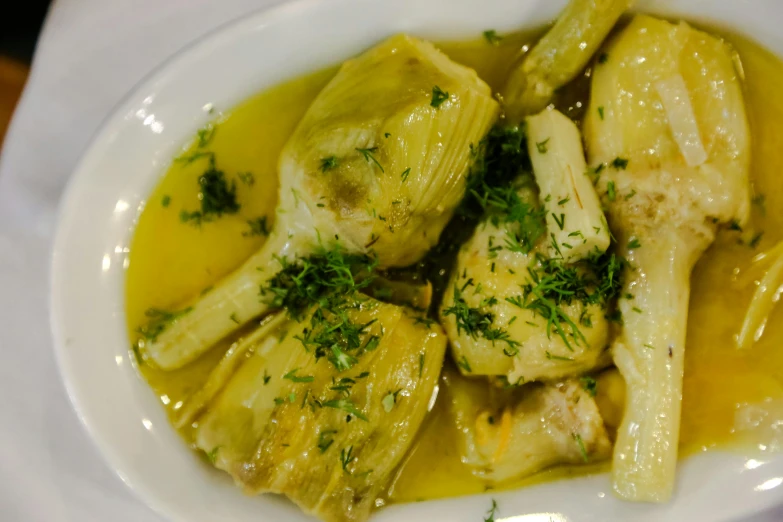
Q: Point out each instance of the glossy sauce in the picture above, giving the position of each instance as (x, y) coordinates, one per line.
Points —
(171, 261)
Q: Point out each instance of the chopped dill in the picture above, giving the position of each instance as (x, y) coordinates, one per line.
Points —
(368, 156)
(346, 457)
(158, 321)
(580, 443)
(345, 405)
(258, 227)
(326, 439)
(438, 97)
(328, 163)
(589, 384)
(247, 178)
(619, 163)
(492, 37)
(292, 376)
(492, 512)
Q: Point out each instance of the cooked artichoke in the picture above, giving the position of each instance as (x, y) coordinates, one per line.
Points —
(508, 434)
(667, 128)
(379, 160)
(497, 323)
(324, 409)
(561, 54)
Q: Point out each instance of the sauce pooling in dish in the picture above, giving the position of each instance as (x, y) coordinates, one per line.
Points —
(178, 252)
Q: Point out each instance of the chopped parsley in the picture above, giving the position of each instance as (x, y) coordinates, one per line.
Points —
(438, 97)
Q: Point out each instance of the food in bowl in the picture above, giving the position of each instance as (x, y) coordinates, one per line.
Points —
(300, 273)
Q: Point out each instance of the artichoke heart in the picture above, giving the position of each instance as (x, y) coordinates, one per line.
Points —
(509, 434)
(324, 409)
(498, 325)
(378, 162)
(381, 156)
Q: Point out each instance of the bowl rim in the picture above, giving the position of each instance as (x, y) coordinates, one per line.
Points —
(69, 203)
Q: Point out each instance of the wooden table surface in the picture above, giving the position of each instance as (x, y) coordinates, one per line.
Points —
(13, 75)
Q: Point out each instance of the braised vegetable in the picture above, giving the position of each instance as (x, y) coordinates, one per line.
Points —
(674, 143)
(508, 434)
(294, 420)
(560, 55)
(379, 161)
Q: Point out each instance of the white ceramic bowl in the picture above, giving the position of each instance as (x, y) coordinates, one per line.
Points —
(130, 153)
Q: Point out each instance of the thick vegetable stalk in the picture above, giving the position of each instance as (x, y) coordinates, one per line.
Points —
(650, 354)
(668, 138)
(561, 54)
(574, 218)
(378, 164)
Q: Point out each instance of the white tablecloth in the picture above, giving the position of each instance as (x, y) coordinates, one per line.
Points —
(90, 54)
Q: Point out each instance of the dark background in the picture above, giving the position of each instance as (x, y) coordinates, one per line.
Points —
(19, 28)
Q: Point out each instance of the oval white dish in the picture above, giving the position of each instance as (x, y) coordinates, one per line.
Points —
(130, 153)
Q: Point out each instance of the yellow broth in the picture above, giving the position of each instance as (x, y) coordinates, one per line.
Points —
(171, 261)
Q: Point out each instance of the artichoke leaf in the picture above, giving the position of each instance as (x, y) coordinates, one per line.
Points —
(327, 432)
(378, 162)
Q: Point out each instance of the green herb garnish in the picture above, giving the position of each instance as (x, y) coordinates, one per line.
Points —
(438, 96)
